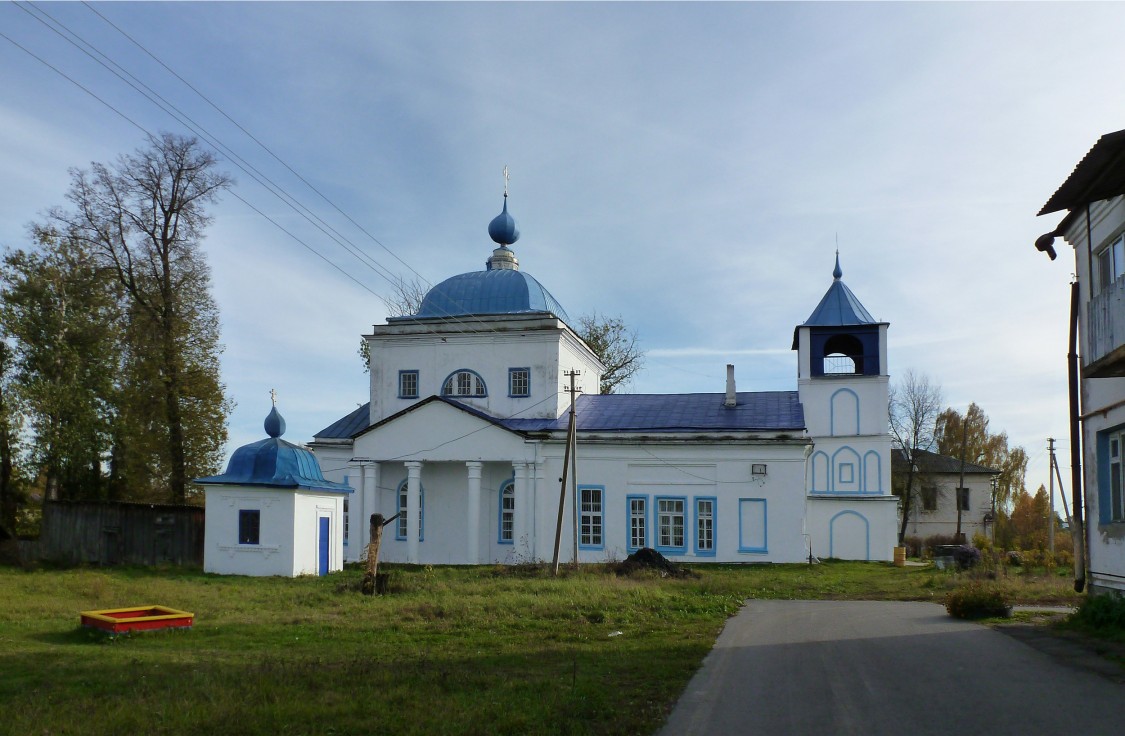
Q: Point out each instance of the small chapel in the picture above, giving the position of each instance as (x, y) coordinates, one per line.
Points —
(464, 439)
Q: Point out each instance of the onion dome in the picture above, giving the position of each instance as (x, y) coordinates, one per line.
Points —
(274, 463)
(503, 229)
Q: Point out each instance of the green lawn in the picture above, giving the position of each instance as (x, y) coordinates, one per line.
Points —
(485, 650)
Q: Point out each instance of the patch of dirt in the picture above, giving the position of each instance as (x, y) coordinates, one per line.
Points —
(648, 560)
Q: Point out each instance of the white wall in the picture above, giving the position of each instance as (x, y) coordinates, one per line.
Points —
(853, 528)
(223, 554)
(943, 520)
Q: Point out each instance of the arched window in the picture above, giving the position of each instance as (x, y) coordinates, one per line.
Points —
(507, 513)
(843, 354)
(464, 383)
(401, 528)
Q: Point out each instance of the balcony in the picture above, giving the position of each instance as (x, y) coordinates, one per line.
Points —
(1105, 333)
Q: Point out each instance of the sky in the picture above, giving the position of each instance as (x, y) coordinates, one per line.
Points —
(690, 168)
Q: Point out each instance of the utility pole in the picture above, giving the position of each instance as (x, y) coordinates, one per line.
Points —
(1051, 513)
(961, 481)
(568, 462)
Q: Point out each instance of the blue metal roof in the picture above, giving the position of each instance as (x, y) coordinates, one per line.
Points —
(499, 291)
(839, 307)
(347, 426)
(274, 463)
(776, 411)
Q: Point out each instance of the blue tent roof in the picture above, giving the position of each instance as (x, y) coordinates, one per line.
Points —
(497, 291)
(274, 463)
(839, 306)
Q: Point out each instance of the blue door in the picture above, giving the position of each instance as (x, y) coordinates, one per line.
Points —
(322, 545)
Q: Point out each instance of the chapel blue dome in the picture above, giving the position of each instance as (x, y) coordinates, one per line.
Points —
(275, 463)
(498, 291)
(503, 228)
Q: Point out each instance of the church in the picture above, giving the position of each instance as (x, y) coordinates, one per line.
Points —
(464, 440)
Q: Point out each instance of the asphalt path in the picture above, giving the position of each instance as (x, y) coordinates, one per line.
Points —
(860, 667)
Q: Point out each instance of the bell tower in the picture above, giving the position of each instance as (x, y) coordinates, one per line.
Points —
(843, 386)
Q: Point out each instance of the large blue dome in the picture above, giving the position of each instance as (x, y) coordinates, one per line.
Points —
(499, 291)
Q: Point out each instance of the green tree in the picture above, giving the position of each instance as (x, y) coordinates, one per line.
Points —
(914, 406)
(143, 217)
(11, 420)
(62, 315)
(616, 346)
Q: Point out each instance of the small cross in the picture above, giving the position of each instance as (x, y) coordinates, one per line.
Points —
(273, 396)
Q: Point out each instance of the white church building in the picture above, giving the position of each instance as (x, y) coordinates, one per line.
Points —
(465, 434)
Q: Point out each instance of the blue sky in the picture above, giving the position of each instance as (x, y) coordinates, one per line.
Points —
(688, 167)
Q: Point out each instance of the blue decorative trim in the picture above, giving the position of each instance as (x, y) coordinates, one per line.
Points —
(477, 376)
(403, 395)
(846, 473)
(866, 533)
(600, 515)
(764, 548)
(878, 472)
(827, 472)
(838, 475)
(656, 517)
(500, 512)
(1105, 481)
(629, 522)
(511, 374)
(402, 509)
(714, 501)
(832, 411)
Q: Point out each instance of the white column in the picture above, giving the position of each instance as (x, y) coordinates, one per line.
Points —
(539, 498)
(520, 535)
(472, 519)
(413, 506)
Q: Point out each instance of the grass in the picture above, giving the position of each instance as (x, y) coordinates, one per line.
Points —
(484, 650)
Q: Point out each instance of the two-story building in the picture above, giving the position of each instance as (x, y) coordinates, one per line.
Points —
(1094, 196)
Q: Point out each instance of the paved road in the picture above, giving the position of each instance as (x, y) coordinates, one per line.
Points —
(854, 667)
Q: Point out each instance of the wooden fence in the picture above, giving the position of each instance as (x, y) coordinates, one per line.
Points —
(117, 533)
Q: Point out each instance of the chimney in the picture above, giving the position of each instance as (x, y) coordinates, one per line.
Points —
(731, 399)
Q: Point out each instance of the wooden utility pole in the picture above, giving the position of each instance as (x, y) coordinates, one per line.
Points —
(1051, 513)
(961, 482)
(568, 461)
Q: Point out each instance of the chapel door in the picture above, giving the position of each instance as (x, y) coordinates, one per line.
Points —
(322, 545)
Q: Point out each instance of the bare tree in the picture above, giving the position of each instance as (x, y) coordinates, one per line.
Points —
(914, 406)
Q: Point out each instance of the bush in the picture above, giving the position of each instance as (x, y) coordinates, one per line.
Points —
(966, 556)
(981, 542)
(1101, 612)
(913, 546)
(977, 600)
(1015, 559)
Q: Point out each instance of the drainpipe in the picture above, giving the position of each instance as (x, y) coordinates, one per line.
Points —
(1078, 534)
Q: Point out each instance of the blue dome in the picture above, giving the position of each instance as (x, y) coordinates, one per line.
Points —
(499, 291)
(503, 228)
(275, 463)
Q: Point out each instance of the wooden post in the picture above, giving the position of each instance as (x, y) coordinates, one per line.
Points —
(373, 554)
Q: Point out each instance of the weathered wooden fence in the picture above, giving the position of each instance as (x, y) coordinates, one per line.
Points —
(117, 533)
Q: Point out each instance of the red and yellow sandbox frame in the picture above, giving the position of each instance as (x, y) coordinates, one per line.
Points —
(139, 618)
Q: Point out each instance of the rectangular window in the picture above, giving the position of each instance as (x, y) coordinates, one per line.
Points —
(638, 522)
(705, 526)
(670, 524)
(590, 531)
(752, 526)
(1111, 263)
(963, 499)
(249, 526)
(519, 382)
(408, 384)
(1116, 479)
(929, 498)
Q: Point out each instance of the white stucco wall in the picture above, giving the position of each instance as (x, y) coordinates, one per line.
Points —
(943, 519)
(853, 528)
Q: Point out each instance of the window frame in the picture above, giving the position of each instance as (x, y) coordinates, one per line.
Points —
(1111, 469)
(659, 515)
(250, 527)
(347, 519)
(630, 516)
(593, 540)
(765, 548)
(964, 499)
(697, 504)
(1110, 263)
(928, 493)
(400, 522)
(513, 376)
(451, 385)
(510, 513)
(402, 376)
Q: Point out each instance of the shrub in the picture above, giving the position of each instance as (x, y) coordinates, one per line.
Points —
(977, 600)
(1015, 559)
(913, 546)
(966, 556)
(981, 542)
(1102, 612)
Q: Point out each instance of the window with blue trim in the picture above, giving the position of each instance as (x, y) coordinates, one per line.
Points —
(249, 526)
(519, 382)
(1111, 484)
(408, 384)
(753, 532)
(590, 529)
(464, 383)
(705, 526)
(507, 513)
(401, 528)
(670, 524)
(638, 522)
